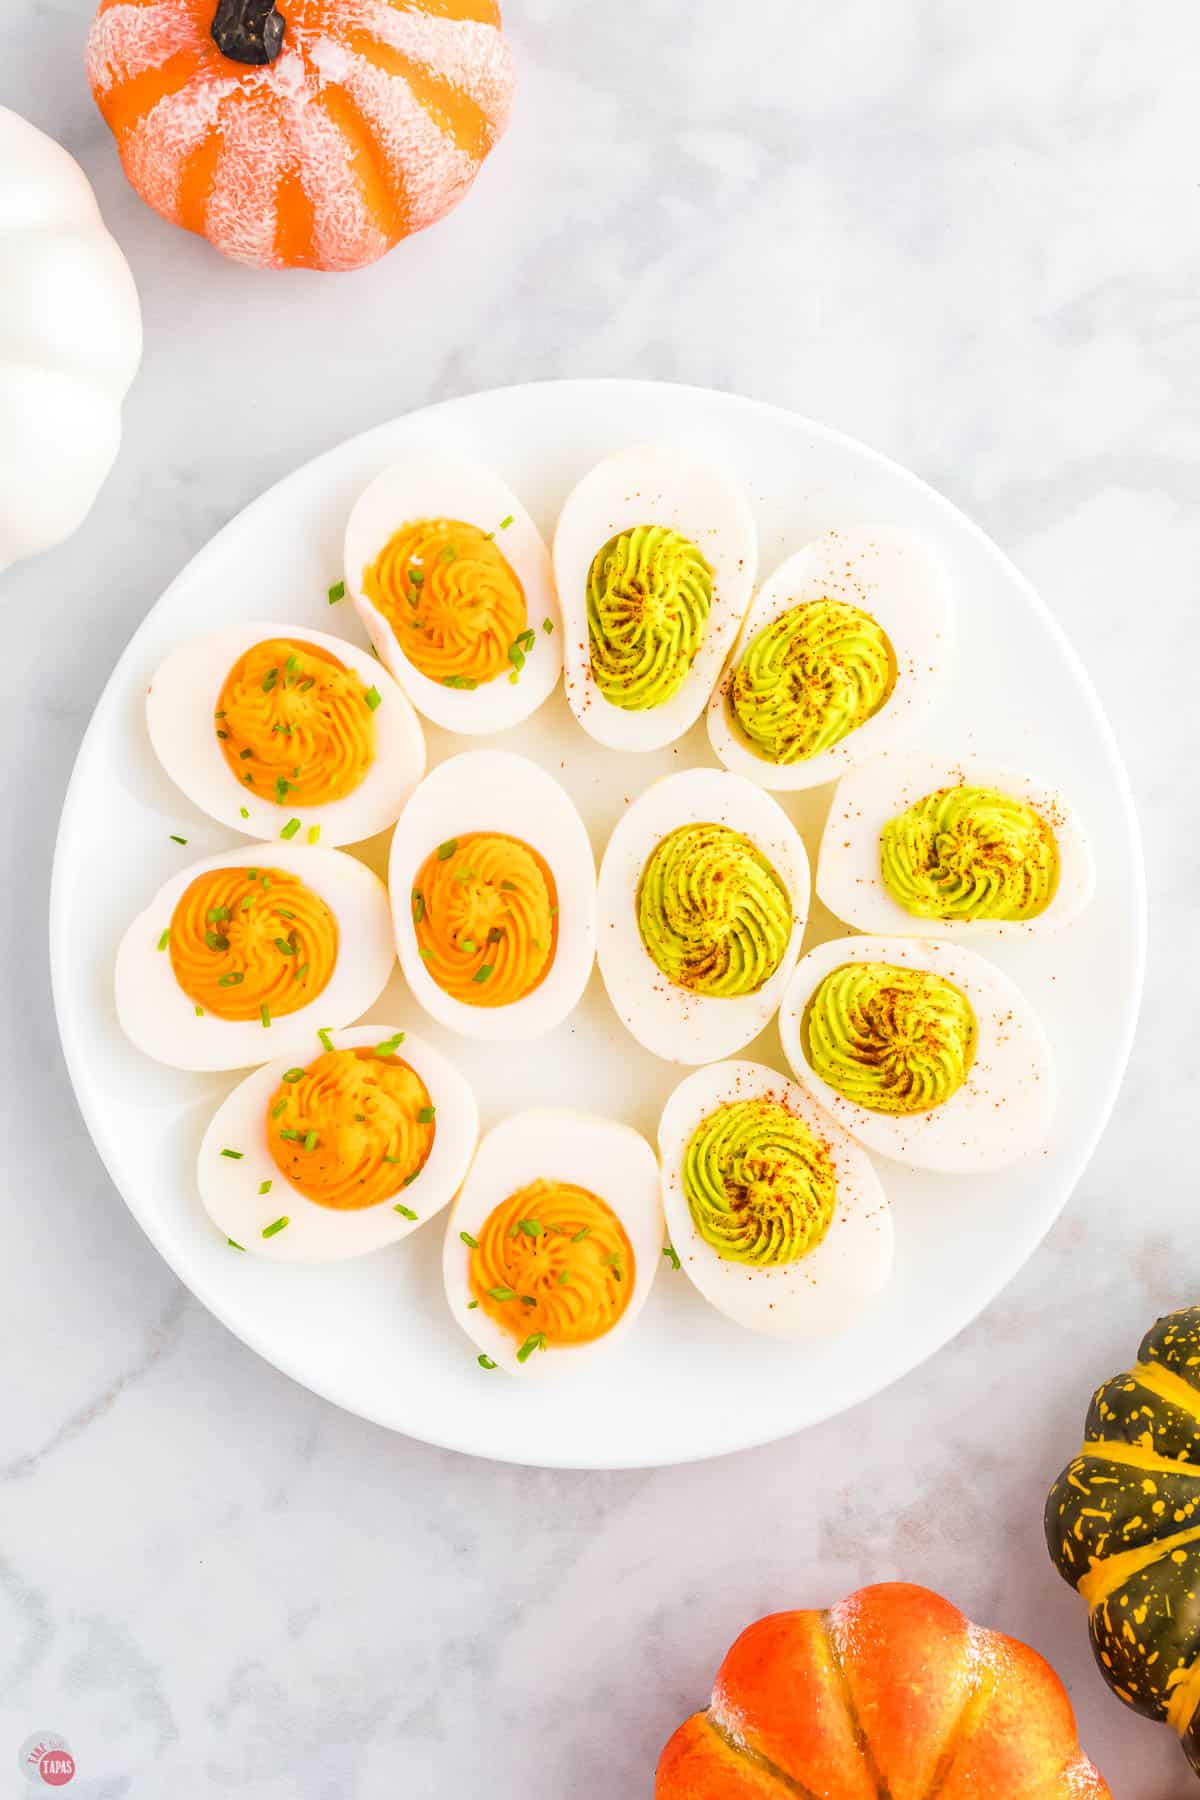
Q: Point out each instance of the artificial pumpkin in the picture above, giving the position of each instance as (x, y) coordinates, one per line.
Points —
(70, 342)
(314, 133)
(1123, 1526)
(893, 1692)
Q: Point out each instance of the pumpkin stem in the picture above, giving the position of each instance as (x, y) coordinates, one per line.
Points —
(248, 31)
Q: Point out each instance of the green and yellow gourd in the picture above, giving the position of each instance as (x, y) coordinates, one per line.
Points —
(1123, 1527)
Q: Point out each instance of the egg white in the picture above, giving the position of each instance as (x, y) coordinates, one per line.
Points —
(653, 484)
(611, 1161)
(179, 717)
(849, 878)
(1005, 1107)
(432, 484)
(671, 1021)
(822, 1293)
(893, 576)
(498, 791)
(160, 1018)
(229, 1186)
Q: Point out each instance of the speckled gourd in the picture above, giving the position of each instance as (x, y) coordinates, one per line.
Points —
(1123, 1526)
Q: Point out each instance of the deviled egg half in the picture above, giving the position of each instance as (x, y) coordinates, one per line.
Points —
(922, 1050)
(845, 648)
(920, 845)
(240, 956)
(554, 1242)
(349, 1147)
(493, 892)
(282, 732)
(654, 555)
(454, 585)
(702, 902)
(774, 1212)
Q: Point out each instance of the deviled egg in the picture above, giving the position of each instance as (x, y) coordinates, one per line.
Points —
(271, 729)
(702, 902)
(454, 585)
(239, 956)
(775, 1213)
(493, 891)
(553, 1244)
(655, 555)
(844, 649)
(353, 1145)
(919, 845)
(922, 1050)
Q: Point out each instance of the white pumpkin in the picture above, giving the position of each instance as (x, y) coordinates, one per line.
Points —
(70, 341)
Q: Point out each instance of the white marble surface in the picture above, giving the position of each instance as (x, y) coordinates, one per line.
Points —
(967, 235)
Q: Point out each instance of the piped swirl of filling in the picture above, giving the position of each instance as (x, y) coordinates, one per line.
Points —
(649, 594)
(553, 1261)
(809, 678)
(970, 853)
(295, 724)
(485, 913)
(453, 600)
(894, 1040)
(713, 914)
(252, 943)
(352, 1129)
(760, 1186)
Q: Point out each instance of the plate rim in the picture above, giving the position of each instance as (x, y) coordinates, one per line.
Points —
(957, 1317)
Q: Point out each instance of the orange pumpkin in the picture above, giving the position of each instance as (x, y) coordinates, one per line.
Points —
(311, 134)
(892, 1692)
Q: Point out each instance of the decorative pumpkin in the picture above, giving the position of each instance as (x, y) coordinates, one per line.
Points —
(70, 342)
(1123, 1526)
(893, 1692)
(314, 134)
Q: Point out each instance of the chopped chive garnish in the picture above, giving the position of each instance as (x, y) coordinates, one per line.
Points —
(468, 945)
(485, 1362)
(199, 1012)
(244, 812)
(501, 1293)
(563, 1277)
(426, 952)
(293, 1075)
(409, 1179)
(176, 839)
(216, 941)
(494, 935)
(217, 913)
(670, 1250)
(246, 902)
(471, 1242)
(483, 971)
(389, 1046)
(310, 1140)
(426, 1115)
(446, 851)
(548, 626)
(505, 523)
(513, 678)
(471, 1305)
(290, 829)
(418, 901)
(292, 1137)
(326, 1040)
(245, 755)
(536, 1342)
(251, 874)
(337, 592)
(264, 1187)
(264, 1013)
(279, 1107)
(278, 1225)
(581, 1234)
(449, 553)
(165, 939)
(406, 1212)
(530, 1227)
(392, 1159)
(234, 1245)
(416, 575)
(235, 1155)
(269, 680)
(459, 681)
(508, 887)
(284, 948)
(314, 832)
(373, 697)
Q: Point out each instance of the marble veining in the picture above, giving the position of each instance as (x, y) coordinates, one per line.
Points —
(967, 236)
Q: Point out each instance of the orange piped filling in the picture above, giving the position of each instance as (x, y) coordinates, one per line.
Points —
(242, 940)
(294, 724)
(553, 1259)
(456, 605)
(485, 913)
(351, 1129)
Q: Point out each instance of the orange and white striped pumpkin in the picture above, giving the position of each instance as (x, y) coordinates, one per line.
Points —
(302, 133)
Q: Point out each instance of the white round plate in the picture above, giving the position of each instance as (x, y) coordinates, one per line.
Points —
(375, 1335)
